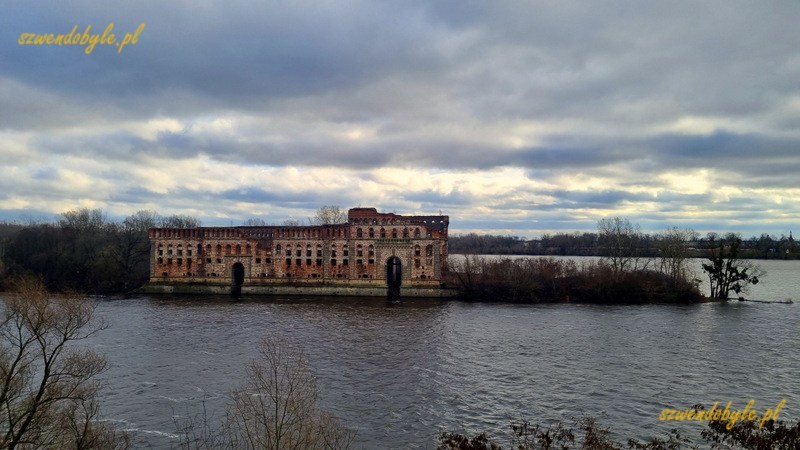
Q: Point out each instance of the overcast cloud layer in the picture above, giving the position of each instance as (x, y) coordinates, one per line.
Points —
(511, 117)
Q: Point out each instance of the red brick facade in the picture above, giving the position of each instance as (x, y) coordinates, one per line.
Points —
(354, 253)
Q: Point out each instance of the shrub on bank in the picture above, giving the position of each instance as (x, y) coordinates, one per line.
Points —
(530, 280)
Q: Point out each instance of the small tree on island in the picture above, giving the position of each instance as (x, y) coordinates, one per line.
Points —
(726, 272)
(620, 240)
(674, 253)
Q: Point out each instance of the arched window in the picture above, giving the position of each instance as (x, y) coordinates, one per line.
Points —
(371, 233)
(228, 249)
(169, 249)
(371, 250)
(394, 233)
(345, 250)
(248, 249)
(289, 250)
(319, 250)
(429, 250)
(383, 233)
(333, 251)
(308, 250)
(208, 248)
(359, 250)
(416, 232)
(219, 249)
(278, 250)
(416, 250)
(238, 249)
(359, 233)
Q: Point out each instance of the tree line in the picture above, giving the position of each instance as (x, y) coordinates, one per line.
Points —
(82, 250)
(765, 246)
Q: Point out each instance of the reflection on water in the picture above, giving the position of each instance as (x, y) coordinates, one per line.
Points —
(403, 372)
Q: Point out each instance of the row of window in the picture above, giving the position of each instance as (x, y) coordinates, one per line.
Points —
(342, 232)
(297, 262)
(288, 275)
(299, 253)
(229, 249)
(178, 250)
(310, 233)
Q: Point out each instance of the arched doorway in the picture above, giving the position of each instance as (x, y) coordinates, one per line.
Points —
(394, 272)
(238, 279)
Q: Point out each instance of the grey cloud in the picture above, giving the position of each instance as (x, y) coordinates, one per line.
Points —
(758, 159)
(432, 199)
(439, 85)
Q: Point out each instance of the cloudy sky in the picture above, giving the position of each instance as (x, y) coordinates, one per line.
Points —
(517, 117)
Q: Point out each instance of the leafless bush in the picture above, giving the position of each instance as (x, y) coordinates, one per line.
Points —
(277, 408)
(549, 279)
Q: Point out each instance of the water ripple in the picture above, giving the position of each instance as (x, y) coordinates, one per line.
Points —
(403, 373)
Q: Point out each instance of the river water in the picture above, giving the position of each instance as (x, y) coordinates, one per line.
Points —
(400, 374)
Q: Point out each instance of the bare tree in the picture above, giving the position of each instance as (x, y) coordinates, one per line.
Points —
(129, 249)
(674, 252)
(620, 239)
(84, 219)
(469, 272)
(329, 215)
(142, 220)
(48, 385)
(179, 221)
(255, 222)
(277, 408)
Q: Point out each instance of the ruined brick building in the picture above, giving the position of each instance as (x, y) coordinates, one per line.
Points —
(371, 249)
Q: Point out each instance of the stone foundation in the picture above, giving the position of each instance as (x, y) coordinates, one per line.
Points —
(297, 290)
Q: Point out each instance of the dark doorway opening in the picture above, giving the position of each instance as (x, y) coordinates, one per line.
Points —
(394, 272)
(238, 279)
(394, 277)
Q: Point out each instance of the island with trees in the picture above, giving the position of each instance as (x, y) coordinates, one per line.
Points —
(84, 251)
(633, 268)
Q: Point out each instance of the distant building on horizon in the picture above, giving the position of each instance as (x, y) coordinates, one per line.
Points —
(371, 250)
